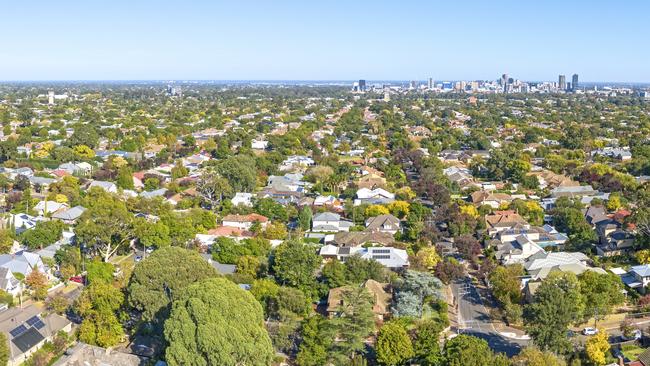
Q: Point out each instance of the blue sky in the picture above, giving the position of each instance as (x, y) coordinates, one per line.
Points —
(324, 40)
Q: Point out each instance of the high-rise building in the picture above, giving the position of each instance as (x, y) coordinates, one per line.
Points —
(50, 97)
(413, 84)
(574, 82)
(504, 82)
(430, 84)
(561, 82)
(362, 85)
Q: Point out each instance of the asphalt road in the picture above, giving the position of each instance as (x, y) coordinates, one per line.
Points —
(474, 319)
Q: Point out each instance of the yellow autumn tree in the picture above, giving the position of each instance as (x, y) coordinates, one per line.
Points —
(399, 208)
(376, 210)
(84, 152)
(642, 256)
(427, 257)
(61, 198)
(469, 210)
(597, 347)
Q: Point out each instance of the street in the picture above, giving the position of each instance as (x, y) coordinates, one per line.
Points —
(474, 319)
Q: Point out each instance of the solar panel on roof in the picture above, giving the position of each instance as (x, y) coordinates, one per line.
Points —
(31, 321)
(39, 324)
(18, 330)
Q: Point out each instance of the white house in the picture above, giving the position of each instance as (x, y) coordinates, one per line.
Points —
(109, 187)
(242, 198)
(48, 207)
(259, 144)
(330, 222)
(373, 196)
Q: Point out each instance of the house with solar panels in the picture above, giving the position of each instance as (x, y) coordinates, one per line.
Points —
(28, 329)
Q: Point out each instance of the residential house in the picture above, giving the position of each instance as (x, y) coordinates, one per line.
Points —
(371, 181)
(330, 222)
(383, 223)
(109, 187)
(389, 257)
(49, 207)
(22, 262)
(242, 198)
(330, 202)
(9, 283)
(503, 220)
(494, 200)
(27, 329)
(77, 169)
(358, 238)
(373, 196)
(573, 191)
(245, 222)
(69, 216)
(381, 294)
(88, 355)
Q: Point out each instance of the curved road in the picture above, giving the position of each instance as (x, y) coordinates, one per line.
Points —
(474, 319)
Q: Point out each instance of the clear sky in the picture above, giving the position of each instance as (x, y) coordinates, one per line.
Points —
(324, 40)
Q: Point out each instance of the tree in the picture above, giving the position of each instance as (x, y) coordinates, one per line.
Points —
(393, 344)
(83, 134)
(468, 350)
(151, 234)
(4, 349)
(240, 172)
(413, 292)
(215, 322)
(468, 246)
(106, 226)
(427, 258)
(294, 263)
(304, 218)
(376, 210)
(427, 341)
(179, 170)
(100, 272)
(353, 323)
(557, 304)
(399, 209)
(125, 178)
(57, 303)
(213, 188)
(98, 304)
(597, 347)
(151, 184)
(316, 341)
(38, 283)
(531, 356)
(505, 281)
(43, 234)
(6, 241)
(83, 152)
(162, 276)
(601, 292)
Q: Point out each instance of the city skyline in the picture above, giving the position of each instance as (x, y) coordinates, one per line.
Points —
(291, 40)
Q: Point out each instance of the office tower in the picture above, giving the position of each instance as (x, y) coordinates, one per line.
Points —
(355, 86)
(561, 83)
(362, 85)
(504, 82)
(50, 97)
(414, 84)
(574, 82)
(430, 85)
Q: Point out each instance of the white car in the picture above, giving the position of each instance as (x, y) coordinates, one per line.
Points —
(590, 331)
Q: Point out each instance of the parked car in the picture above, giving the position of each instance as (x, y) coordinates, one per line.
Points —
(149, 250)
(138, 258)
(77, 279)
(590, 331)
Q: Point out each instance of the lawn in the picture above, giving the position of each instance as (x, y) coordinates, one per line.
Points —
(631, 351)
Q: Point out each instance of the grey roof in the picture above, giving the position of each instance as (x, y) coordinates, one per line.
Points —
(102, 184)
(42, 180)
(151, 194)
(69, 214)
(326, 216)
(642, 270)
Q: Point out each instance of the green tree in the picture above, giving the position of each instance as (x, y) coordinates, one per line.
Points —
(427, 341)
(316, 341)
(162, 276)
(214, 322)
(99, 304)
(353, 323)
(125, 178)
(304, 218)
(557, 304)
(295, 263)
(38, 283)
(43, 234)
(468, 350)
(6, 241)
(106, 226)
(601, 292)
(394, 346)
(151, 234)
(100, 272)
(240, 172)
(531, 356)
(4, 350)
